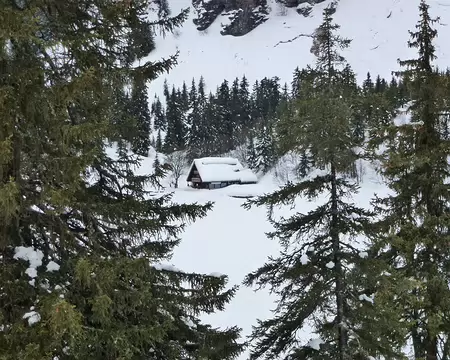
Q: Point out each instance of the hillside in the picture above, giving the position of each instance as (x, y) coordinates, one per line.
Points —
(379, 30)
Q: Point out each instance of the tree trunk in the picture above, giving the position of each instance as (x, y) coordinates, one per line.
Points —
(339, 290)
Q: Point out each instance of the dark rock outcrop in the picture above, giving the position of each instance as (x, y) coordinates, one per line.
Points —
(243, 15)
(207, 12)
(247, 17)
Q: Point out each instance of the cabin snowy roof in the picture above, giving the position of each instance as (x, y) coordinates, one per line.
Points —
(215, 169)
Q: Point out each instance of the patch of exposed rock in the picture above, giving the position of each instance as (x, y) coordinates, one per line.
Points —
(242, 16)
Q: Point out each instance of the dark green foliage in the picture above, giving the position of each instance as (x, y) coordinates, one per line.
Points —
(158, 143)
(158, 173)
(413, 234)
(305, 164)
(140, 113)
(265, 151)
(64, 68)
(224, 125)
(319, 275)
(252, 158)
(163, 8)
(176, 124)
(159, 116)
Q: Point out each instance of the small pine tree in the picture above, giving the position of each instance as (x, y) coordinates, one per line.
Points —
(296, 83)
(368, 85)
(265, 151)
(304, 166)
(158, 173)
(251, 157)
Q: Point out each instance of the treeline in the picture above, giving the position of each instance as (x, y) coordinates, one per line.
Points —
(236, 114)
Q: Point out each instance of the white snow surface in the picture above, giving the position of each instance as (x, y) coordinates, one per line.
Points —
(315, 343)
(33, 317)
(364, 297)
(34, 258)
(232, 241)
(378, 29)
(216, 169)
(52, 266)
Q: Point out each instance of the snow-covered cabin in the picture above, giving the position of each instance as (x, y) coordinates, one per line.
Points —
(218, 172)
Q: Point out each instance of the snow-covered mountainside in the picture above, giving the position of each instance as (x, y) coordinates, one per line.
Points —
(379, 29)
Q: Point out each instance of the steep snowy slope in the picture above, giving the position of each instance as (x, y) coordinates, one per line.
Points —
(379, 29)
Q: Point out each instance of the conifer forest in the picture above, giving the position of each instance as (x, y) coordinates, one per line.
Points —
(86, 239)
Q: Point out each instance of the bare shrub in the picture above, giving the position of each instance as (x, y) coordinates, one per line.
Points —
(177, 163)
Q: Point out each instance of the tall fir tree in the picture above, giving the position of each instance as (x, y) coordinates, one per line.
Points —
(81, 239)
(413, 235)
(245, 116)
(196, 129)
(141, 115)
(251, 156)
(224, 121)
(175, 139)
(313, 274)
(236, 105)
(159, 116)
(265, 150)
(368, 85)
(296, 83)
(184, 98)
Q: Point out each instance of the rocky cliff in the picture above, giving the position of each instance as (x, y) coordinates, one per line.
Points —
(239, 17)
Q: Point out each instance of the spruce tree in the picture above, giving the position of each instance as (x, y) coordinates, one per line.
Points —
(158, 173)
(413, 235)
(195, 138)
(225, 125)
(159, 142)
(368, 85)
(212, 130)
(184, 98)
(141, 115)
(265, 151)
(313, 274)
(159, 116)
(176, 127)
(82, 241)
(251, 156)
(245, 116)
(236, 105)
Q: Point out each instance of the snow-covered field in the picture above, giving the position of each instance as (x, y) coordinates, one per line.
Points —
(231, 240)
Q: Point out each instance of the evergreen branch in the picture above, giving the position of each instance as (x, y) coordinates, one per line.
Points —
(287, 194)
